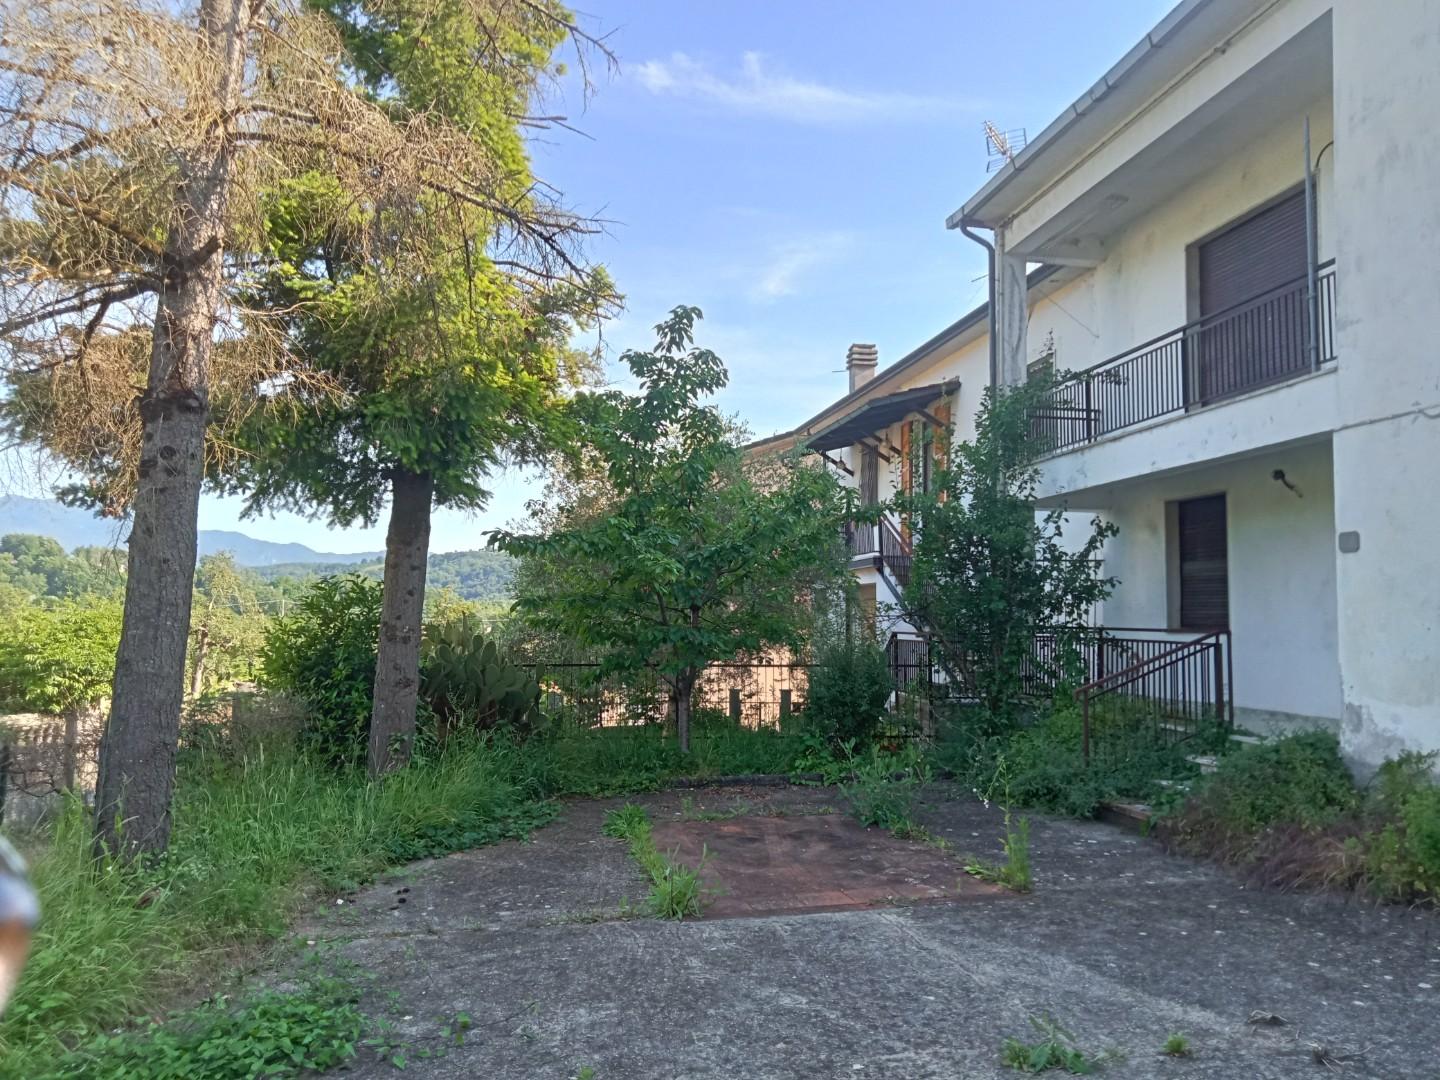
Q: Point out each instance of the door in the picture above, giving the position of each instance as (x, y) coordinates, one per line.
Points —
(1204, 564)
(1252, 302)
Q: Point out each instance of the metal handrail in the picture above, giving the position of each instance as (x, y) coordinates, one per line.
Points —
(1245, 346)
(1218, 640)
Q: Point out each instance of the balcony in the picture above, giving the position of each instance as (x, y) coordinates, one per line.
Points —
(1258, 343)
(882, 545)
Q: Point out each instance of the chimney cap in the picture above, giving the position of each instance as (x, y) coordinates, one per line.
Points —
(862, 353)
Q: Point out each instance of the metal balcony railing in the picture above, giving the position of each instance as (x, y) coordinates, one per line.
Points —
(1253, 344)
(883, 541)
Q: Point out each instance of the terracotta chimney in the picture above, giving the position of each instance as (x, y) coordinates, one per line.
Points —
(861, 362)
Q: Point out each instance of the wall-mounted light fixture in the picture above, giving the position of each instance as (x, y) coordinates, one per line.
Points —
(1279, 477)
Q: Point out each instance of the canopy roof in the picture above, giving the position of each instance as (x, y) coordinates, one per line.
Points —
(876, 415)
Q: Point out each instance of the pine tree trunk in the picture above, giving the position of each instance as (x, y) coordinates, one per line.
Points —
(197, 671)
(137, 754)
(397, 664)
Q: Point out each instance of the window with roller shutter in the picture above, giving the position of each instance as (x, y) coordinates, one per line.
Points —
(1203, 563)
(1250, 282)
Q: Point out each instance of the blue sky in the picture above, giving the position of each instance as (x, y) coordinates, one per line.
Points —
(787, 166)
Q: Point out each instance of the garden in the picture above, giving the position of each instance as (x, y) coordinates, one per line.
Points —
(674, 783)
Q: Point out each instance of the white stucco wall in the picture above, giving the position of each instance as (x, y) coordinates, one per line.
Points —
(1282, 575)
(1387, 447)
(1140, 290)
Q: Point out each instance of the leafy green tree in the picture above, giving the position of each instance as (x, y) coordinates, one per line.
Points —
(227, 623)
(438, 377)
(61, 659)
(990, 570)
(40, 566)
(694, 556)
(323, 652)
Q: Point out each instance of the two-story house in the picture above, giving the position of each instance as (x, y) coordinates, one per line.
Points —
(1227, 248)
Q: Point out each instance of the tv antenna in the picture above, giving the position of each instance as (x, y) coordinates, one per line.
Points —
(1002, 146)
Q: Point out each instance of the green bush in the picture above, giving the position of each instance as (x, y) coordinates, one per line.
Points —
(1402, 858)
(849, 687)
(1296, 780)
(324, 653)
(1045, 764)
(466, 680)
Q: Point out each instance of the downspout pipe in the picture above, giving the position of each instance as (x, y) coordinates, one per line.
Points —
(1312, 260)
(965, 227)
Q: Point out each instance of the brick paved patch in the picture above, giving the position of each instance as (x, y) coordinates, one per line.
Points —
(787, 865)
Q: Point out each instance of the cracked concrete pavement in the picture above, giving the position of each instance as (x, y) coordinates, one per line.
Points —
(1119, 943)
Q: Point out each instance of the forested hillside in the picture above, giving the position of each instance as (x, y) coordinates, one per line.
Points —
(483, 576)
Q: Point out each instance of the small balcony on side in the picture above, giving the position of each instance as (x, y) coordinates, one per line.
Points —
(1280, 335)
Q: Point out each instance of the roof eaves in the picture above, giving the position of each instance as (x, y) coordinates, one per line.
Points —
(972, 211)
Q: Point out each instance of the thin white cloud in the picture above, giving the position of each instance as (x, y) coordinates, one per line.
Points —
(757, 88)
(789, 262)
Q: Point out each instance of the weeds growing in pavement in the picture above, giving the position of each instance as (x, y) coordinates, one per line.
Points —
(882, 790)
(676, 891)
(1055, 1049)
(1014, 872)
(1177, 1045)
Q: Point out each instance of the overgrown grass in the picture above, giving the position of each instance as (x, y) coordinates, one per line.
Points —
(253, 838)
(676, 891)
(1046, 767)
(271, 1034)
(620, 760)
(1290, 814)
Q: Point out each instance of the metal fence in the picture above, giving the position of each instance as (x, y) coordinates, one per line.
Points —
(767, 693)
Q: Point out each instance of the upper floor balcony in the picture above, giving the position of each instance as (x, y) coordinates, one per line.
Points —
(1283, 333)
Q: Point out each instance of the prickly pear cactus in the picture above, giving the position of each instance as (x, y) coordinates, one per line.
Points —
(467, 681)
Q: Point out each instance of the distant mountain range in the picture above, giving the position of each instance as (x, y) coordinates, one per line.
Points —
(79, 528)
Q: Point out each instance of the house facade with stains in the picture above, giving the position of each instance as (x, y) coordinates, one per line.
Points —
(1227, 250)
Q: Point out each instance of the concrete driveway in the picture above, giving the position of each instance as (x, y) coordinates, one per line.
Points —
(527, 947)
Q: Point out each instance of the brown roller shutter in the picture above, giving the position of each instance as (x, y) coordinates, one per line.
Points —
(1204, 564)
(1254, 345)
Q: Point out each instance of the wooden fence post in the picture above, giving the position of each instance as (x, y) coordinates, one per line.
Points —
(784, 709)
(735, 705)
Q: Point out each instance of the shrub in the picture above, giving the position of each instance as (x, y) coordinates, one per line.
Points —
(882, 791)
(1045, 767)
(1402, 859)
(324, 653)
(1296, 780)
(850, 685)
(465, 679)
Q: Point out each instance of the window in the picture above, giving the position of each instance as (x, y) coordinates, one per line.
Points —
(1249, 288)
(1200, 564)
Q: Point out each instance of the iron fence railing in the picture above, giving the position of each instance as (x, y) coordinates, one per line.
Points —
(1242, 348)
(884, 542)
(767, 693)
(1171, 695)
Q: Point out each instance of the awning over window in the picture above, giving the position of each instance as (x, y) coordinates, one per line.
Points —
(876, 415)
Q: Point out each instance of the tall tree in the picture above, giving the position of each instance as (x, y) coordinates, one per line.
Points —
(694, 555)
(441, 378)
(990, 569)
(135, 141)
